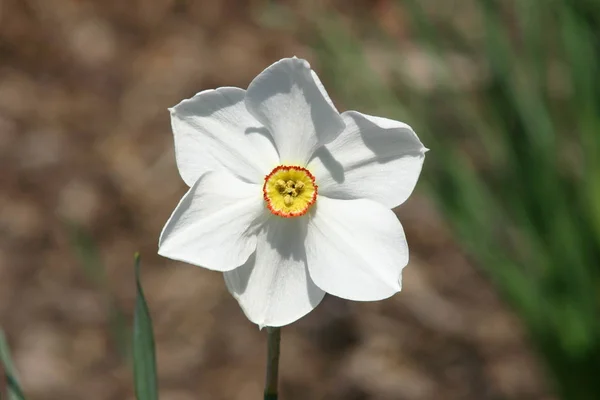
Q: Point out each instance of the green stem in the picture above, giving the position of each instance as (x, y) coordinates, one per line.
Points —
(273, 341)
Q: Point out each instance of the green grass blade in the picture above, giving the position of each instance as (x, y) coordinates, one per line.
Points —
(14, 389)
(88, 254)
(144, 358)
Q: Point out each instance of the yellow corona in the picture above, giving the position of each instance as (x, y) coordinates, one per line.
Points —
(289, 191)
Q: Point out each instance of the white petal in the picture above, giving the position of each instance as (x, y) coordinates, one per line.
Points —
(214, 132)
(295, 108)
(355, 249)
(373, 158)
(215, 223)
(273, 287)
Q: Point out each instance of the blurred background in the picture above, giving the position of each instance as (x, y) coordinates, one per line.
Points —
(501, 298)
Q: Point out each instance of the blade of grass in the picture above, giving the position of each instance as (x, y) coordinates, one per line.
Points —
(90, 260)
(12, 383)
(144, 358)
(584, 68)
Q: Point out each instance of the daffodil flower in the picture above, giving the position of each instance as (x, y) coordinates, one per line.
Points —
(289, 198)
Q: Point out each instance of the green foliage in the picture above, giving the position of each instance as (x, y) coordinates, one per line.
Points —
(515, 160)
(87, 252)
(10, 375)
(144, 359)
(142, 344)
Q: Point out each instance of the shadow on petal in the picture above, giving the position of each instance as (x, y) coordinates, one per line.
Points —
(335, 168)
(315, 297)
(237, 280)
(286, 236)
(385, 143)
(261, 131)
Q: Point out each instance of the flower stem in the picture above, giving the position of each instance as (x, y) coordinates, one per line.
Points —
(273, 341)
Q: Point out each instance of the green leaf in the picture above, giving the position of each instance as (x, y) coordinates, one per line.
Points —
(144, 359)
(14, 389)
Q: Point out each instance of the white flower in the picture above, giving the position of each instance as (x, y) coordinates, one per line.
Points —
(288, 198)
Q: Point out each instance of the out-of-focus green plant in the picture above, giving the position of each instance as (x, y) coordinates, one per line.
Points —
(515, 160)
(14, 391)
(87, 252)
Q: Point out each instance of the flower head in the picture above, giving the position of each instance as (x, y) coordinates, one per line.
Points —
(289, 198)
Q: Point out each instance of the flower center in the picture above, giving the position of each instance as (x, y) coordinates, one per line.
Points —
(289, 191)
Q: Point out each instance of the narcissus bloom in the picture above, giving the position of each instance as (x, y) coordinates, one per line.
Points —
(289, 198)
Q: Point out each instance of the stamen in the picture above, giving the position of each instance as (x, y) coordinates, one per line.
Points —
(289, 191)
